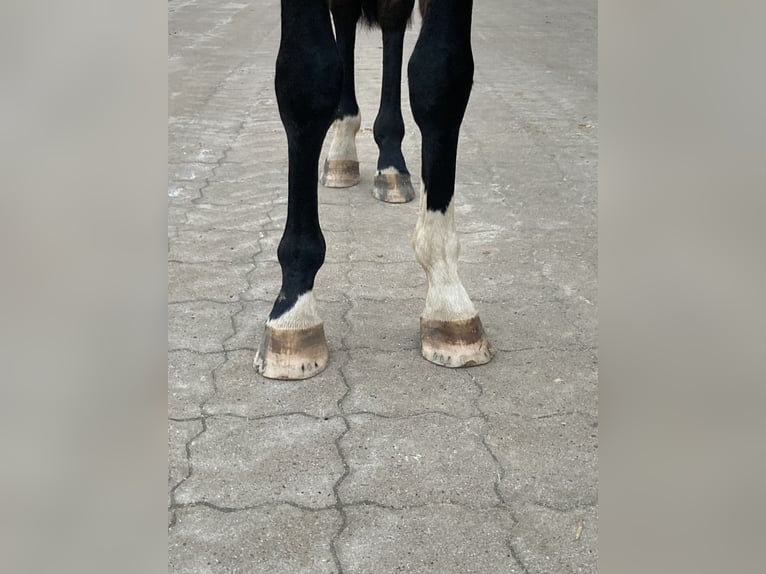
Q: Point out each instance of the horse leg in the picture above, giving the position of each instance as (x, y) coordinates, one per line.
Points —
(392, 180)
(440, 76)
(341, 167)
(308, 85)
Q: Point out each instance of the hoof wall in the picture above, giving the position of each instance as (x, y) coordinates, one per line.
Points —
(292, 354)
(340, 173)
(393, 188)
(455, 343)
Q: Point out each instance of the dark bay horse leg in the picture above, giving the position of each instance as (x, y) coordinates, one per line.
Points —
(308, 85)
(441, 75)
(392, 180)
(341, 168)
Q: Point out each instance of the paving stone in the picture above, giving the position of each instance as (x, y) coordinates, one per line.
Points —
(260, 541)
(246, 194)
(403, 383)
(523, 325)
(196, 172)
(394, 244)
(244, 392)
(386, 280)
(539, 382)
(551, 461)
(222, 282)
(546, 540)
(239, 462)
(269, 171)
(193, 246)
(176, 213)
(200, 326)
(244, 217)
(190, 382)
(184, 192)
(387, 325)
(583, 315)
(179, 433)
(425, 459)
(570, 264)
(429, 540)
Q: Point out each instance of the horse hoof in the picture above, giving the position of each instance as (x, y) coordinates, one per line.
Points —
(455, 343)
(340, 173)
(292, 354)
(393, 188)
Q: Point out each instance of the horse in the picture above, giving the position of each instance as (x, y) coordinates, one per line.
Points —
(314, 84)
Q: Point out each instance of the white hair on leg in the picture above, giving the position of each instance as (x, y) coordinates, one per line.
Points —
(303, 314)
(343, 145)
(437, 248)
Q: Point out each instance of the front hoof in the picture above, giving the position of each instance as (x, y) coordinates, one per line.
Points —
(340, 173)
(393, 188)
(455, 343)
(292, 354)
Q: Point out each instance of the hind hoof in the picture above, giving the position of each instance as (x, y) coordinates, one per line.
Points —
(393, 188)
(455, 343)
(292, 354)
(340, 173)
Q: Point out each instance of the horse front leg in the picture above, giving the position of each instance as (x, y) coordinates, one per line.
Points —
(440, 76)
(341, 167)
(308, 84)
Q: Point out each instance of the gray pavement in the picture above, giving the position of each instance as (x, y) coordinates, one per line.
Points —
(385, 463)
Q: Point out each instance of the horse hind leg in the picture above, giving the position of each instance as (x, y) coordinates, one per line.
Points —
(341, 167)
(392, 182)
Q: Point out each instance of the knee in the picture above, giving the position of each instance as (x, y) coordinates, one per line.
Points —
(308, 84)
(440, 80)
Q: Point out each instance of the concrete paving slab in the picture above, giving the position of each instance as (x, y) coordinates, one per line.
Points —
(265, 540)
(538, 382)
(179, 434)
(241, 462)
(401, 383)
(415, 460)
(217, 282)
(379, 278)
(427, 540)
(190, 382)
(374, 326)
(546, 540)
(241, 391)
(200, 326)
(214, 245)
(548, 460)
(524, 325)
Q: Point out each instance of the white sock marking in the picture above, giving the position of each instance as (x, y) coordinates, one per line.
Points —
(304, 314)
(387, 170)
(343, 145)
(437, 249)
